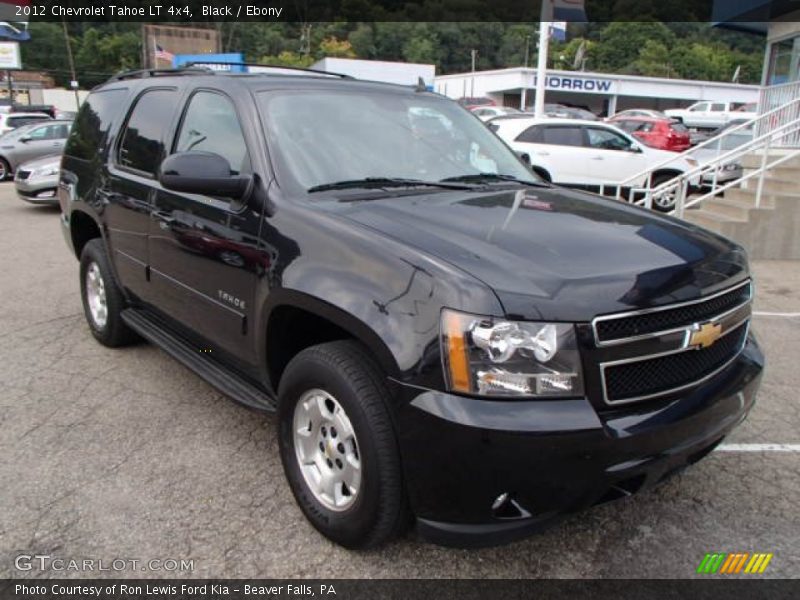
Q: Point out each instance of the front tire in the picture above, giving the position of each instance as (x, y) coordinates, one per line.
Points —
(666, 202)
(5, 169)
(103, 301)
(338, 446)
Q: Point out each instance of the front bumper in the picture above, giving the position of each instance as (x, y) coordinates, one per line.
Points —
(551, 457)
(37, 191)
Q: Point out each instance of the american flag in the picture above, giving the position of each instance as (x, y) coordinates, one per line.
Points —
(162, 54)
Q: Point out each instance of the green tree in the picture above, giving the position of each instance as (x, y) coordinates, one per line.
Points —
(620, 42)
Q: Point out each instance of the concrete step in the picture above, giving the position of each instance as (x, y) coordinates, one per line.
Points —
(753, 160)
(747, 197)
(779, 172)
(775, 185)
(712, 220)
(729, 207)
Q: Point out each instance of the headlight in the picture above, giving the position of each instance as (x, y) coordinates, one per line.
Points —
(44, 172)
(494, 357)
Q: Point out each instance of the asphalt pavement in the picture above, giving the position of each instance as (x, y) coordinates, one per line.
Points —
(126, 455)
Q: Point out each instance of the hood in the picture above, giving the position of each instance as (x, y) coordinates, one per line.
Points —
(557, 254)
(41, 162)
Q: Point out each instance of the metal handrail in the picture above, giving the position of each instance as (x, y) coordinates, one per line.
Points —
(679, 185)
(679, 209)
(648, 173)
(683, 179)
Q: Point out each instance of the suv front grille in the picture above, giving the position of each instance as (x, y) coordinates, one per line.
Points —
(613, 329)
(663, 374)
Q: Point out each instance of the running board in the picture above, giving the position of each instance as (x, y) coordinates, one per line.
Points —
(225, 381)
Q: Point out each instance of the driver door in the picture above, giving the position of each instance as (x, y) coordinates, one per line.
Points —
(612, 157)
(205, 256)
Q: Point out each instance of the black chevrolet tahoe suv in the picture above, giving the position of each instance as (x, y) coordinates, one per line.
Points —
(448, 342)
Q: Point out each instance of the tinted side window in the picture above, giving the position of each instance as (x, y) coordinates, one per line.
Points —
(532, 135)
(211, 125)
(562, 136)
(142, 146)
(605, 139)
(20, 121)
(91, 126)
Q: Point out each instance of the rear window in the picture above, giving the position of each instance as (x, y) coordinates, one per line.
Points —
(142, 145)
(562, 136)
(20, 121)
(93, 122)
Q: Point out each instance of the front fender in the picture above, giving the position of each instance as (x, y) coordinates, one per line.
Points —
(387, 294)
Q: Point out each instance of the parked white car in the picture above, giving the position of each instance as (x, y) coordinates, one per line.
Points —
(711, 115)
(484, 113)
(589, 154)
(12, 120)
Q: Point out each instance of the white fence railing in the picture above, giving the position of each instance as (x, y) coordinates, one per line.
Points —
(639, 187)
(760, 146)
(778, 102)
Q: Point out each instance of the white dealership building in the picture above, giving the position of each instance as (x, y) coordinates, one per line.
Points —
(602, 93)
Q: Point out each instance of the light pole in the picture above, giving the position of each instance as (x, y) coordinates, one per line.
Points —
(541, 65)
(74, 81)
(474, 54)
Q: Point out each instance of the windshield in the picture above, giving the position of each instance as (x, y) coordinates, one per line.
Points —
(323, 137)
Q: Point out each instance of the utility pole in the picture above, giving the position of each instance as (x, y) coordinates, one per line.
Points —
(74, 81)
(541, 66)
(527, 49)
(474, 54)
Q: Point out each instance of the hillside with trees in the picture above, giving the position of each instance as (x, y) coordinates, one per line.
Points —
(676, 50)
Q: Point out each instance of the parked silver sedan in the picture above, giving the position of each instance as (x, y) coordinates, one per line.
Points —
(36, 181)
(30, 142)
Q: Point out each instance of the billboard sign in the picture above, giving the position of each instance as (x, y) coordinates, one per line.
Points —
(212, 61)
(9, 56)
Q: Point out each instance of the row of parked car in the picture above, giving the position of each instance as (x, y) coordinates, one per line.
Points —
(31, 144)
(571, 146)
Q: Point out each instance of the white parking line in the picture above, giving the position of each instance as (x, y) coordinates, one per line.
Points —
(758, 448)
(788, 315)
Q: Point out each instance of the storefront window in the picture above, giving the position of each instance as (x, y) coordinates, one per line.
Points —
(784, 62)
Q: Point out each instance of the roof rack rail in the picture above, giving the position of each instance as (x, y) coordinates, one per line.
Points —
(142, 73)
(203, 63)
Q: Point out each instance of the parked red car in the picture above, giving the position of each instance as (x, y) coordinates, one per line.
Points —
(664, 134)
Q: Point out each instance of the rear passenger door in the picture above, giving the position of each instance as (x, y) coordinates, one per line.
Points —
(126, 195)
(41, 141)
(560, 150)
(204, 251)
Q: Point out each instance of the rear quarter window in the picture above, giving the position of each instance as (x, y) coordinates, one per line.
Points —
(98, 112)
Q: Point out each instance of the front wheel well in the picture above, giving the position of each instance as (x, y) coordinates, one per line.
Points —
(82, 229)
(666, 174)
(542, 173)
(290, 330)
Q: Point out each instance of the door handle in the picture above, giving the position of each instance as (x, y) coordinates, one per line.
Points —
(542, 153)
(597, 158)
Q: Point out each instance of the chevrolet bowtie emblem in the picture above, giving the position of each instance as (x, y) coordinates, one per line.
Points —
(703, 336)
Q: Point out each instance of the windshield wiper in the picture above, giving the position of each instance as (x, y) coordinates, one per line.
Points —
(381, 182)
(483, 177)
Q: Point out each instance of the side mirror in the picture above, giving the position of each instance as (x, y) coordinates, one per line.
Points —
(635, 149)
(525, 157)
(25, 139)
(204, 173)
